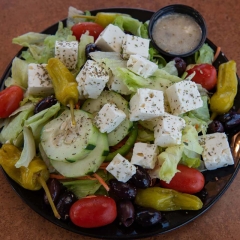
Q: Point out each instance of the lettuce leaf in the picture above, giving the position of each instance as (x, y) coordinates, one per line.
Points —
(131, 25)
(155, 57)
(170, 68)
(204, 55)
(169, 160)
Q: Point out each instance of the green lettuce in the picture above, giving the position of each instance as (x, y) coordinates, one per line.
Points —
(37, 121)
(19, 74)
(169, 160)
(41, 46)
(170, 68)
(131, 25)
(204, 55)
(155, 57)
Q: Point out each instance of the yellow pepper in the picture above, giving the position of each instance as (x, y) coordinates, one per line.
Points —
(102, 18)
(163, 199)
(33, 177)
(64, 84)
(222, 100)
(24, 176)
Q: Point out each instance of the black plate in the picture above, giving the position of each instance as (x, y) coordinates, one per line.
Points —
(217, 181)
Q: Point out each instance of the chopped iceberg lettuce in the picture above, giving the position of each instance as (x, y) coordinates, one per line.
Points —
(131, 25)
(204, 55)
(170, 68)
(29, 38)
(155, 57)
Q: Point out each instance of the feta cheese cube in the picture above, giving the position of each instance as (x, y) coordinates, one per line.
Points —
(39, 82)
(110, 39)
(141, 66)
(146, 104)
(168, 131)
(91, 80)
(67, 53)
(121, 168)
(108, 118)
(135, 45)
(145, 155)
(216, 150)
(183, 97)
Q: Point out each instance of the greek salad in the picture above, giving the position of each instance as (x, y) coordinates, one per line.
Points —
(108, 127)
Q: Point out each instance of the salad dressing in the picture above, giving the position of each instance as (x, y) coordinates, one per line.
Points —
(177, 33)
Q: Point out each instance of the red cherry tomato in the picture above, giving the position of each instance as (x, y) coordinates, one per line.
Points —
(94, 29)
(188, 180)
(205, 74)
(9, 100)
(93, 212)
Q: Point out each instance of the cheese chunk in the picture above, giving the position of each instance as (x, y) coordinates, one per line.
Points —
(168, 131)
(135, 45)
(91, 80)
(108, 118)
(67, 53)
(141, 66)
(146, 104)
(110, 39)
(216, 150)
(145, 155)
(39, 82)
(183, 97)
(121, 168)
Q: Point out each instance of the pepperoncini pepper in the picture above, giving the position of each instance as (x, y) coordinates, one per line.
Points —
(64, 84)
(222, 100)
(163, 199)
(102, 18)
(33, 177)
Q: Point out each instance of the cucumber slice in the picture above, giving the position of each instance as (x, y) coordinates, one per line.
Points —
(94, 105)
(61, 141)
(89, 164)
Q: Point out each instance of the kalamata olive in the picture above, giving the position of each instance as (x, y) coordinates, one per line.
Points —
(125, 212)
(122, 190)
(45, 103)
(226, 116)
(91, 47)
(215, 126)
(233, 122)
(55, 188)
(181, 65)
(147, 217)
(64, 204)
(141, 179)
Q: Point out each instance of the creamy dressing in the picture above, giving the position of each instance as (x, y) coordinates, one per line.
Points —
(177, 33)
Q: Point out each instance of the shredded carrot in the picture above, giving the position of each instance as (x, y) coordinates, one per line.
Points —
(90, 196)
(57, 176)
(77, 106)
(217, 53)
(101, 181)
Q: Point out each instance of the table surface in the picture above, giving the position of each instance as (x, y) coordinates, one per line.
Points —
(17, 220)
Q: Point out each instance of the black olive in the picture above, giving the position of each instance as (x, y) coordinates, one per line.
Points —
(45, 103)
(91, 47)
(181, 65)
(147, 217)
(55, 189)
(125, 212)
(215, 126)
(64, 204)
(233, 122)
(122, 190)
(141, 179)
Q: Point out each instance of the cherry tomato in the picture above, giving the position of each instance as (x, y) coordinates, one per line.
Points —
(93, 212)
(94, 29)
(205, 74)
(10, 98)
(188, 180)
